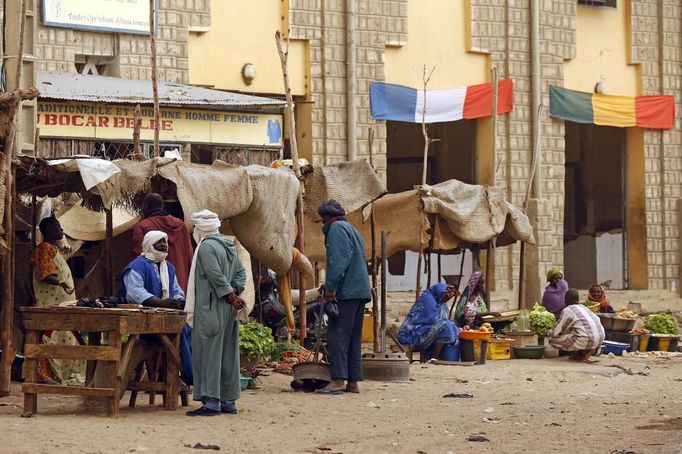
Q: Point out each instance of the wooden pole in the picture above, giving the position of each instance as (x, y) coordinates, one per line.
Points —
(490, 251)
(283, 56)
(426, 77)
(8, 348)
(34, 221)
(137, 125)
(383, 291)
(376, 328)
(155, 86)
(534, 163)
(109, 246)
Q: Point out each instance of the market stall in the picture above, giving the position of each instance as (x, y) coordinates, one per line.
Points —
(108, 325)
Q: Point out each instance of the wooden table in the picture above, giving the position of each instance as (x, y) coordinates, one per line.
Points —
(165, 324)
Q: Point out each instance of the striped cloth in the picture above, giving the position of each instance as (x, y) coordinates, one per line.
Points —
(400, 103)
(653, 112)
(578, 329)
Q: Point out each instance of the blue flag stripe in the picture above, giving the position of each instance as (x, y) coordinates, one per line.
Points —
(392, 102)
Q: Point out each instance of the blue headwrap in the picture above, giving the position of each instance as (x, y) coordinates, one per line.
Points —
(330, 209)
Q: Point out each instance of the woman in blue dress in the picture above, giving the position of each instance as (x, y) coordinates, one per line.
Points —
(427, 324)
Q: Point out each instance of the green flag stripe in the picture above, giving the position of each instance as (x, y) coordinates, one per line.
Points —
(570, 105)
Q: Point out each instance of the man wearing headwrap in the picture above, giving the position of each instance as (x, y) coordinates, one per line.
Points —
(348, 283)
(179, 244)
(217, 277)
(150, 279)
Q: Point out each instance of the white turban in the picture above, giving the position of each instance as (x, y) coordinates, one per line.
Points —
(150, 239)
(205, 223)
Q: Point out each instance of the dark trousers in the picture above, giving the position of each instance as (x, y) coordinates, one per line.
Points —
(344, 341)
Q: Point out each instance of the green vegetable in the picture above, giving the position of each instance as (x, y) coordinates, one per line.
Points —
(255, 341)
(285, 347)
(661, 324)
(541, 321)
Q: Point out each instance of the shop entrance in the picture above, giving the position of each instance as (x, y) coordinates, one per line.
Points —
(595, 208)
(453, 156)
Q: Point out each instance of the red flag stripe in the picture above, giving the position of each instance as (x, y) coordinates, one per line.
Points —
(479, 99)
(655, 112)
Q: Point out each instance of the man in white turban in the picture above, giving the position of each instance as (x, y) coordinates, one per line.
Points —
(216, 279)
(150, 279)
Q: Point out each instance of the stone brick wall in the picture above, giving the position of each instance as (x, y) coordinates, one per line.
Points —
(323, 24)
(130, 55)
(656, 46)
(502, 29)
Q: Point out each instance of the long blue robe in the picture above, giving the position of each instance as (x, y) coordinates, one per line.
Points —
(427, 322)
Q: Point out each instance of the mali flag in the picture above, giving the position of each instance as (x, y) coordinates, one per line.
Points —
(652, 112)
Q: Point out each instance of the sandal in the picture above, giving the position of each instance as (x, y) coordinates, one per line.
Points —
(328, 390)
(353, 388)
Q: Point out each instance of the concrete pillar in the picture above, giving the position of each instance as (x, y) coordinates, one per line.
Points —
(538, 256)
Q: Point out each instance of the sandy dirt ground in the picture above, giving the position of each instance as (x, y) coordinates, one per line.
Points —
(550, 405)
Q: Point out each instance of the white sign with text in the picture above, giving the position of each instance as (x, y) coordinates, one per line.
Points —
(123, 16)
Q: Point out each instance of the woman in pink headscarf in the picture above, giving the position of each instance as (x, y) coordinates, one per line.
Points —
(472, 303)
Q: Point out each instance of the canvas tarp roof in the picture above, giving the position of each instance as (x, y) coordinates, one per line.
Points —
(463, 215)
(265, 225)
(353, 184)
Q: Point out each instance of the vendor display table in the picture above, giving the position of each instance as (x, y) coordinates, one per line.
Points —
(165, 324)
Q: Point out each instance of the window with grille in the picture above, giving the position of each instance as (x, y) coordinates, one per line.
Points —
(607, 3)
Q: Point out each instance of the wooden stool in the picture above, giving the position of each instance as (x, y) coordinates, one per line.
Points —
(154, 371)
(409, 351)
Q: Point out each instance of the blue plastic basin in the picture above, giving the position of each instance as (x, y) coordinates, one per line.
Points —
(450, 352)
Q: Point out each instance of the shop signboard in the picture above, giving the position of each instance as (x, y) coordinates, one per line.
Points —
(123, 16)
(115, 122)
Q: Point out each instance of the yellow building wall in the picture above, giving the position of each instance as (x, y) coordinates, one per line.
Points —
(244, 32)
(602, 52)
(436, 37)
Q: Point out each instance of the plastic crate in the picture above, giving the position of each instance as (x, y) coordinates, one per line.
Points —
(664, 343)
(499, 349)
(368, 328)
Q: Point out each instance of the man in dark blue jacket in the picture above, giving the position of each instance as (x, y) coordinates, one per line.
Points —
(348, 283)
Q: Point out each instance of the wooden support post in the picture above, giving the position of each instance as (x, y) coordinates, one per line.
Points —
(291, 119)
(108, 244)
(426, 77)
(31, 372)
(383, 291)
(8, 268)
(155, 86)
(34, 221)
(137, 125)
(376, 326)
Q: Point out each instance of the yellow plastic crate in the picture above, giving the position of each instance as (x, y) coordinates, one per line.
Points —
(368, 328)
(499, 349)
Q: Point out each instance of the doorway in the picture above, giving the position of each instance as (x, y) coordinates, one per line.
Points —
(453, 156)
(595, 206)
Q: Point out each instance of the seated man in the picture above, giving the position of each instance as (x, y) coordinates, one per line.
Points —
(579, 330)
(150, 279)
(426, 324)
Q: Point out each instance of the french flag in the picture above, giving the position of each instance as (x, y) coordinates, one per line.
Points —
(400, 103)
